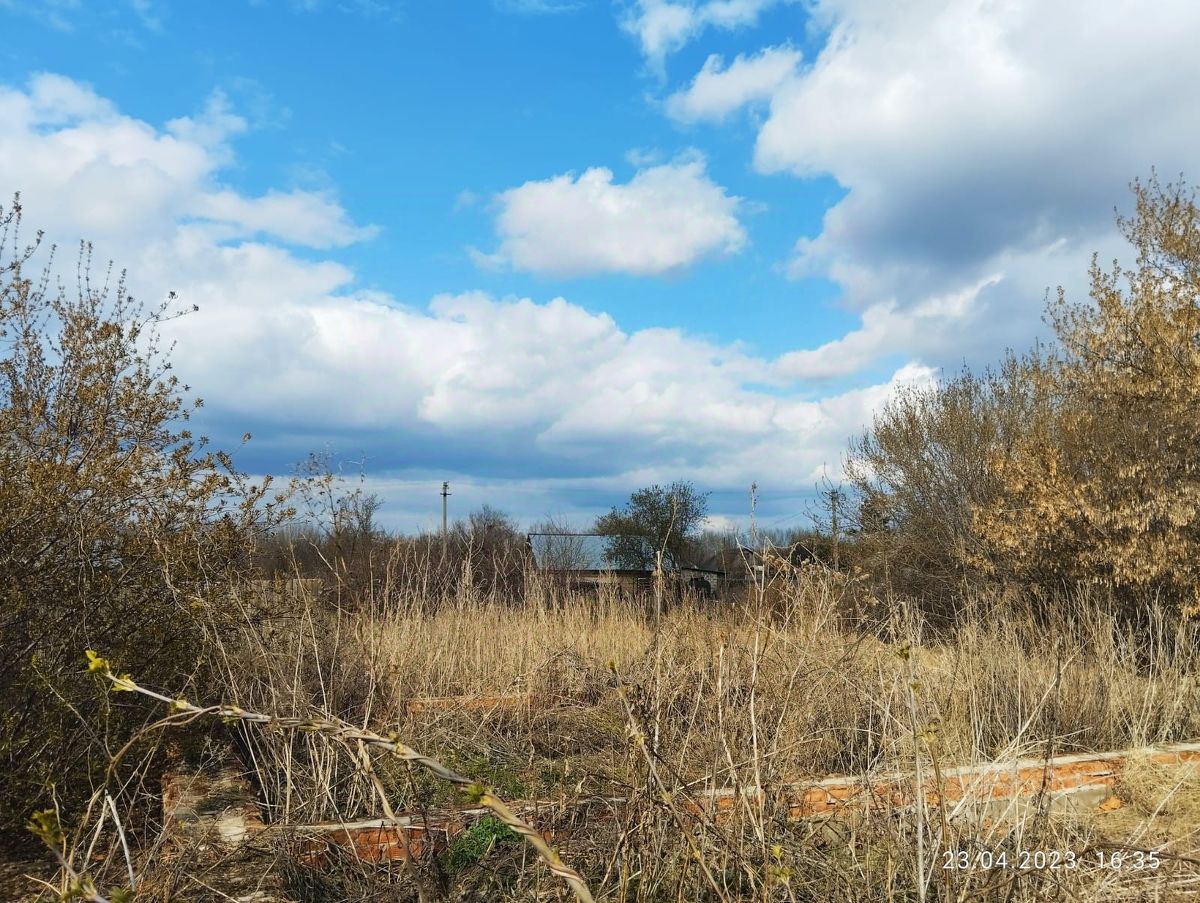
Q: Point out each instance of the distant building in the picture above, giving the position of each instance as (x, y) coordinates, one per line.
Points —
(744, 569)
(586, 560)
(745, 563)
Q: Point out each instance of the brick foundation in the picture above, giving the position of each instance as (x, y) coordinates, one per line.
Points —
(216, 812)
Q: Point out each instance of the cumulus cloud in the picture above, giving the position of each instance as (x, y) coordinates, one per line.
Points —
(543, 402)
(718, 90)
(519, 386)
(978, 143)
(300, 217)
(211, 129)
(664, 219)
(90, 171)
(664, 26)
(884, 329)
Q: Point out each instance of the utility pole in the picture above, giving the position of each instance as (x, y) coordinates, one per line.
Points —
(445, 493)
(834, 497)
(754, 513)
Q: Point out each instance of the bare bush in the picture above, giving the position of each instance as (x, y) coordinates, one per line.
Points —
(119, 528)
(922, 469)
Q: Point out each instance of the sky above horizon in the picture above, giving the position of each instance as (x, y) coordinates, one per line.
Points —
(555, 250)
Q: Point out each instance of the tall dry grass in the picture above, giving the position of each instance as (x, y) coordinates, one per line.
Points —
(791, 683)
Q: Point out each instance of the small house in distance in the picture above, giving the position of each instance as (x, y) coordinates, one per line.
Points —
(744, 563)
(588, 561)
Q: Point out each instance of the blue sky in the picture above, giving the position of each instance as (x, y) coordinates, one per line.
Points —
(417, 113)
(553, 251)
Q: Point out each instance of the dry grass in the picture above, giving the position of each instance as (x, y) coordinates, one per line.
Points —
(629, 723)
(752, 696)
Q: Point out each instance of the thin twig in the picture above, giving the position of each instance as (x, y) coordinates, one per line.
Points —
(344, 732)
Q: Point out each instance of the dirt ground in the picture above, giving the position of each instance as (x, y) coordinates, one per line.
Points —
(16, 876)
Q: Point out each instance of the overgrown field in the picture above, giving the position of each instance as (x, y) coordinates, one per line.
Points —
(779, 687)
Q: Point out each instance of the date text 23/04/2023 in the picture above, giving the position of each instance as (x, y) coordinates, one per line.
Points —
(1052, 860)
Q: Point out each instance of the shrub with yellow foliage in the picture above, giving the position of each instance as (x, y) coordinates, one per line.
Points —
(1068, 466)
(1106, 491)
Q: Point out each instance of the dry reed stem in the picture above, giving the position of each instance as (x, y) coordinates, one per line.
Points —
(797, 691)
(346, 733)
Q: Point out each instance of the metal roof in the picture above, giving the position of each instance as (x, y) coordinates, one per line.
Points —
(576, 552)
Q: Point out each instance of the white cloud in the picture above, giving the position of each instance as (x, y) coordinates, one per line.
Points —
(884, 329)
(664, 26)
(212, 128)
(664, 219)
(644, 156)
(517, 384)
(720, 523)
(545, 402)
(716, 92)
(55, 100)
(564, 379)
(465, 200)
(90, 171)
(978, 140)
(299, 217)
